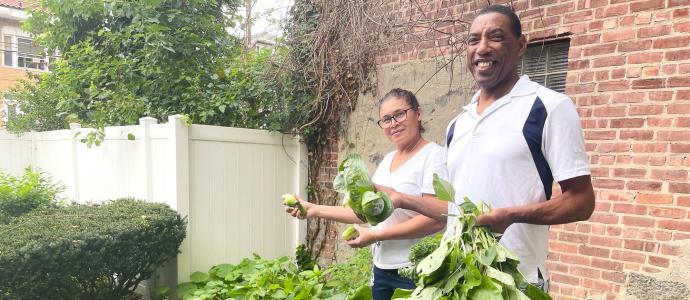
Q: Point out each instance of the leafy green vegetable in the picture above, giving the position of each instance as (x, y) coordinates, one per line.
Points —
(468, 262)
(419, 251)
(354, 184)
(350, 233)
(291, 201)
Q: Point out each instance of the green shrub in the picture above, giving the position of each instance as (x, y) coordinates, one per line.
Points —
(19, 195)
(86, 252)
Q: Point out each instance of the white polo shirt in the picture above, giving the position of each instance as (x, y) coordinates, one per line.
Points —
(511, 154)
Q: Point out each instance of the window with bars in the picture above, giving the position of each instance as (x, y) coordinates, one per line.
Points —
(23, 53)
(546, 63)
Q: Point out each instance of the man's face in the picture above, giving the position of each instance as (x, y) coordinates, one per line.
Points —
(493, 51)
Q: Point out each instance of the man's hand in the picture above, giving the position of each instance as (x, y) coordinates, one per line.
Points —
(309, 207)
(498, 219)
(366, 237)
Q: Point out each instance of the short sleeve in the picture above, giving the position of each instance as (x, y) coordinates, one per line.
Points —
(435, 164)
(564, 145)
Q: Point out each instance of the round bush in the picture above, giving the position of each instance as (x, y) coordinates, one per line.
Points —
(86, 252)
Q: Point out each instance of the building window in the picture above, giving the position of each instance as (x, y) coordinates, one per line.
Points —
(23, 53)
(546, 63)
(9, 107)
(7, 51)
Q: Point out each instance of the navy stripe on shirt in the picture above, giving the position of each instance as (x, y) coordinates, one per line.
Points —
(532, 131)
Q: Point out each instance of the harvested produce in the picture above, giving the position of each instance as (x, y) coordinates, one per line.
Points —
(469, 263)
(291, 201)
(350, 233)
(354, 184)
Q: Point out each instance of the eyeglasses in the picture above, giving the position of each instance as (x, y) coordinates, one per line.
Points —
(398, 116)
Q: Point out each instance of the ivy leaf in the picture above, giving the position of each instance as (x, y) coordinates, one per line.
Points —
(443, 189)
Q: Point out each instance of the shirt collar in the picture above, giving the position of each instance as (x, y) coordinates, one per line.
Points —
(524, 86)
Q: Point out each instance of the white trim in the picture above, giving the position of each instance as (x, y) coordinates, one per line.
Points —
(12, 13)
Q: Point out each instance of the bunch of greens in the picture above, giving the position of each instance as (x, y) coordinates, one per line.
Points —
(418, 252)
(354, 184)
(281, 278)
(469, 263)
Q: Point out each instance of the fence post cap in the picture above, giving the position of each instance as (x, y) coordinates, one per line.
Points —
(74, 125)
(149, 120)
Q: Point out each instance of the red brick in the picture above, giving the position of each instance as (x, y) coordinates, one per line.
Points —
(633, 245)
(652, 83)
(659, 122)
(654, 198)
(649, 57)
(650, 147)
(585, 272)
(636, 45)
(677, 109)
(577, 17)
(669, 69)
(671, 42)
(669, 174)
(645, 110)
(627, 123)
(643, 185)
(615, 276)
(627, 21)
(638, 135)
(602, 207)
(684, 68)
(625, 208)
(683, 95)
(684, 201)
(559, 9)
(681, 27)
(613, 147)
(618, 35)
(594, 251)
(638, 221)
(562, 247)
(578, 64)
(574, 259)
(653, 31)
(670, 250)
(603, 218)
(629, 173)
(628, 256)
(573, 237)
(618, 73)
(659, 261)
(608, 265)
(599, 172)
(682, 122)
(679, 236)
(662, 235)
(646, 5)
(680, 148)
(678, 55)
(610, 111)
(600, 49)
(608, 61)
(674, 225)
(679, 187)
(660, 95)
(667, 212)
(680, 81)
(566, 279)
(600, 135)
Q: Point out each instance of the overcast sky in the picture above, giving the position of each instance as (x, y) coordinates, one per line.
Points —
(270, 16)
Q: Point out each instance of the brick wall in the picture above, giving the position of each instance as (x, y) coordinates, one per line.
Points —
(629, 75)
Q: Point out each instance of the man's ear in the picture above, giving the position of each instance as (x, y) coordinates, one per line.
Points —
(522, 45)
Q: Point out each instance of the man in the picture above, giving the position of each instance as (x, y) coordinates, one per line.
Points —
(508, 145)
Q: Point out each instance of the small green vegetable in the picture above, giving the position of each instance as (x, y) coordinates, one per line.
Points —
(291, 201)
(376, 207)
(350, 233)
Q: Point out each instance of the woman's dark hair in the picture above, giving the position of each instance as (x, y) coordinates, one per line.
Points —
(506, 11)
(406, 95)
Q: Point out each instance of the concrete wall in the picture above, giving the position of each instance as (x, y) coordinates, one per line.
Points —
(441, 91)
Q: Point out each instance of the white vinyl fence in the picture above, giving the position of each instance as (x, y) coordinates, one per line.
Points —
(227, 181)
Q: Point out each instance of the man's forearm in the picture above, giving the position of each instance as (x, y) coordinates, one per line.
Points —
(427, 205)
(565, 208)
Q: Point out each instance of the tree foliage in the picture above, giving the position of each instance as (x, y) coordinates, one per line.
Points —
(125, 59)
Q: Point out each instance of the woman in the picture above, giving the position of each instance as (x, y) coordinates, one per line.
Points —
(407, 170)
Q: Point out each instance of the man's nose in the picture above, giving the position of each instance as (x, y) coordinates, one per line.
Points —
(483, 46)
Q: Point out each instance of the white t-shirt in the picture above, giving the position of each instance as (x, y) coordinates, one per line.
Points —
(512, 153)
(414, 177)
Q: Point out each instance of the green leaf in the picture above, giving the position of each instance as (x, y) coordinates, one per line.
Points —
(185, 288)
(401, 294)
(443, 189)
(500, 276)
(199, 277)
(488, 290)
(362, 293)
(536, 293)
(130, 136)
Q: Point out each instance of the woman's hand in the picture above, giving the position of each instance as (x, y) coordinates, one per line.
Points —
(310, 209)
(396, 197)
(366, 237)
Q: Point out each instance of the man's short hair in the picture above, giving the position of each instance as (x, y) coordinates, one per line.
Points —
(506, 11)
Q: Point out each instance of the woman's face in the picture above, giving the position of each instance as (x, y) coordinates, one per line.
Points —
(404, 127)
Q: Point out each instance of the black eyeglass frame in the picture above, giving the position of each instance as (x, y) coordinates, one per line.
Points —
(392, 117)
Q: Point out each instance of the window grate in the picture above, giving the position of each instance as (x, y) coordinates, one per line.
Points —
(546, 64)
